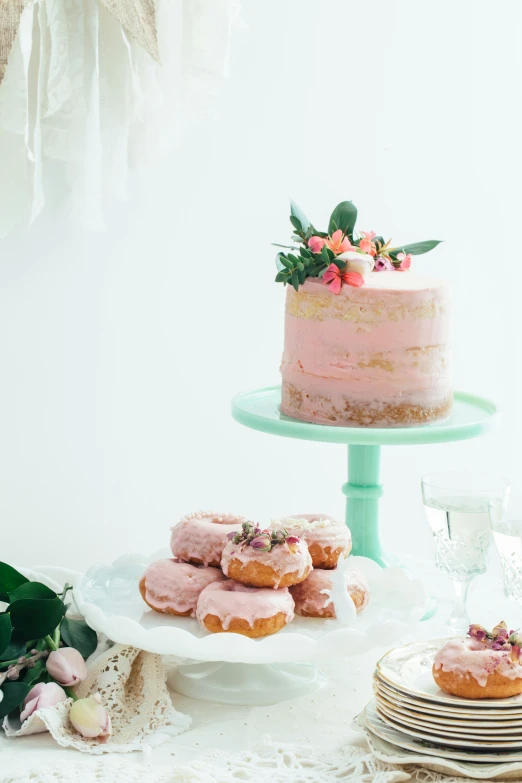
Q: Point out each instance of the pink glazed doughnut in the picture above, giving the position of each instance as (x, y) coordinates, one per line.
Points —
(327, 538)
(201, 537)
(310, 601)
(229, 607)
(174, 588)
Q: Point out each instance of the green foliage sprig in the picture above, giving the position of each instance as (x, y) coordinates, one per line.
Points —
(32, 624)
(301, 263)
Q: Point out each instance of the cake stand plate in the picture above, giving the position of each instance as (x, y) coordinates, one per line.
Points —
(472, 416)
(233, 669)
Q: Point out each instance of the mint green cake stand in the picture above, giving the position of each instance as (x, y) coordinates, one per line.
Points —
(472, 416)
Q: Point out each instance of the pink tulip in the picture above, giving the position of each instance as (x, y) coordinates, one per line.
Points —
(339, 243)
(316, 244)
(45, 694)
(334, 278)
(405, 261)
(89, 718)
(67, 666)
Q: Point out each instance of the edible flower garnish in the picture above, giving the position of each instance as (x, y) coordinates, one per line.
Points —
(498, 639)
(340, 253)
(263, 540)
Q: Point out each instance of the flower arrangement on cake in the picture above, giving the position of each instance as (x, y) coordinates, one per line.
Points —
(42, 655)
(340, 255)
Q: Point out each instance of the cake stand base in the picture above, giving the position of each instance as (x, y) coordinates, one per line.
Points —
(246, 684)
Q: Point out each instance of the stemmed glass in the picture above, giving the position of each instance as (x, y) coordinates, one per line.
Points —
(458, 507)
(507, 535)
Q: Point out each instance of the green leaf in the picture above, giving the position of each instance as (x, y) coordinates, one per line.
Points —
(296, 223)
(32, 675)
(324, 254)
(344, 217)
(15, 649)
(295, 279)
(14, 695)
(31, 590)
(77, 634)
(297, 212)
(293, 259)
(281, 276)
(302, 276)
(278, 262)
(34, 618)
(285, 262)
(5, 632)
(416, 248)
(10, 579)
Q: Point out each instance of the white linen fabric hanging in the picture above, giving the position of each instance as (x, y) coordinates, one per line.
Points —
(82, 102)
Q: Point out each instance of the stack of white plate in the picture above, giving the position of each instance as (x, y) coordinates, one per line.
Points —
(410, 712)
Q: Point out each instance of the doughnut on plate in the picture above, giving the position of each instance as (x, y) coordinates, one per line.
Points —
(109, 598)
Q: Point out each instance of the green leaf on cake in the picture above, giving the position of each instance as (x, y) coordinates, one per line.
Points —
(295, 279)
(281, 276)
(77, 634)
(325, 255)
(34, 618)
(344, 218)
(416, 248)
(297, 213)
(10, 579)
(5, 632)
(296, 223)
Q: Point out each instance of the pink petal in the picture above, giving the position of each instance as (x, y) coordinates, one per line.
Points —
(335, 285)
(336, 236)
(353, 278)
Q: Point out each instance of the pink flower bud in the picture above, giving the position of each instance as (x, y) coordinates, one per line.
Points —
(261, 542)
(293, 540)
(477, 632)
(67, 666)
(231, 535)
(89, 718)
(41, 696)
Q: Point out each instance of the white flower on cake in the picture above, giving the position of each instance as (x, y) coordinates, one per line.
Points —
(357, 262)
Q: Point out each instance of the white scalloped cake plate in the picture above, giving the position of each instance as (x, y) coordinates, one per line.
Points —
(109, 599)
(408, 670)
(441, 711)
(399, 738)
(387, 751)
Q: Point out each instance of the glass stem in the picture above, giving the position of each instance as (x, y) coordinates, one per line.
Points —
(458, 619)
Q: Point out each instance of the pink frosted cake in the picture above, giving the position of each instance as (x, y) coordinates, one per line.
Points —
(367, 342)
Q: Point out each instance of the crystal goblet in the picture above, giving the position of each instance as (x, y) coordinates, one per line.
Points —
(458, 505)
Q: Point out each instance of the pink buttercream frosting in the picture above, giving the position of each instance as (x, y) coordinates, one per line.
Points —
(470, 656)
(282, 558)
(321, 529)
(310, 600)
(230, 601)
(202, 536)
(385, 343)
(173, 585)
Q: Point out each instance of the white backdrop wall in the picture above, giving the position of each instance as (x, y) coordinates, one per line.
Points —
(120, 351)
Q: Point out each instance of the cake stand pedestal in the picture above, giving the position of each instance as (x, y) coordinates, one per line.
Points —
(259, 409)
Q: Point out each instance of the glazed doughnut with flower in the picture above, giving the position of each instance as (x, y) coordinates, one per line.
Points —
(200, 538)
(229, 607)
(172, 587)
(486, 665)
(311, 600)
(326, 537)
(265, 558)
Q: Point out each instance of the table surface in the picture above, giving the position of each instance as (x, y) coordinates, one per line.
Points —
(320, 720)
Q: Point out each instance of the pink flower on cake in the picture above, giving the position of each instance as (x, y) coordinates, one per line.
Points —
(405, 260)
(357, 262)
(338, 242)
(316, 244)
(366, 244)
(334, 278)
(383, 264)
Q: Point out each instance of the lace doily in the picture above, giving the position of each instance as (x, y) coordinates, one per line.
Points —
(133, 688)
(274, 763)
